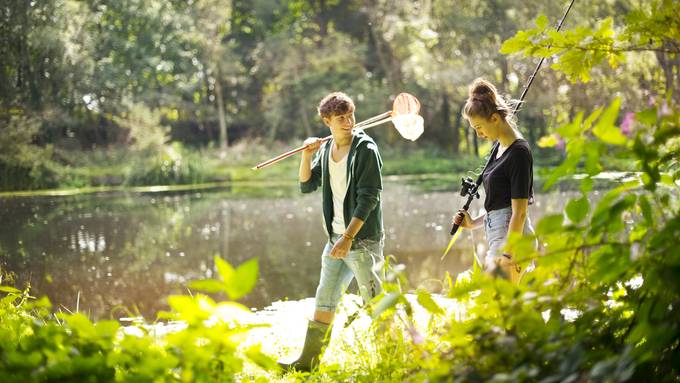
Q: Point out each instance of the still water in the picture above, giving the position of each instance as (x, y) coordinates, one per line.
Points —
(121, 254)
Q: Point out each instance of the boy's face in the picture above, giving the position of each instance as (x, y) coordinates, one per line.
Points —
(340, 124)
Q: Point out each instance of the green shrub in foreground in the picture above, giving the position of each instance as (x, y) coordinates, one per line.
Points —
(38, 346)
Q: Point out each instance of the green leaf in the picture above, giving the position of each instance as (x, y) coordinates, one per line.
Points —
(572, 129)
(607, 214)
(586, 185)
(607, 264)
(577, 209)
(449, 281)
(386, 302)
(243, 280)
(542, 22)
(557, 38)
(224, 268)
(592, 117)
(638, 233)
(107, 328)
(647, 117)
(646, 209)
(425, 300)
(547, 141)
(516, 43)
(81, 324)
(181, 303)
(575, 149)
(575, 65)
(593, 166)
(605, 128)
(550, 224)
(521, 245)
(9, 289)
(208, 285)
(255, 354)
(194, 309)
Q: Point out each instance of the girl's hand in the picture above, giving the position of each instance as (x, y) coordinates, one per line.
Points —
(463, 219)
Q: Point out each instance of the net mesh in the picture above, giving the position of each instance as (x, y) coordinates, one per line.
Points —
(410, 126)
(405, 103)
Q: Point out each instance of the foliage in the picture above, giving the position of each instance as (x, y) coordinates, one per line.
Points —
(222, 71)
(39, 346)
(579, 50)
(24, 165)
(170, 165)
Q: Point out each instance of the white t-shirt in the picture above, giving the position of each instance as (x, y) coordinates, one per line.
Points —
(338, 176)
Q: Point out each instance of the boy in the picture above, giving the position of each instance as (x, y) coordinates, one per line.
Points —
(348, 169)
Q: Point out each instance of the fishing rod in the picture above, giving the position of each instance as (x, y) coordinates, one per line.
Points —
(471, 188)
(404, 116)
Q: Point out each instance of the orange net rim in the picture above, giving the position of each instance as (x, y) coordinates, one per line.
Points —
(405, 103)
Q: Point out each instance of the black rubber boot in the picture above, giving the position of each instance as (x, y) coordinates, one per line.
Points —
(315, 340)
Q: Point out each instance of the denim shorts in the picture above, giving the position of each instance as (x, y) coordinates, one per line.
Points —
(496, 225)
(364, 262)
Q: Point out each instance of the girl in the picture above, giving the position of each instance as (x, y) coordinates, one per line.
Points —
(507, 177)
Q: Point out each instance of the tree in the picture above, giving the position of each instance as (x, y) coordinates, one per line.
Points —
(210, 27)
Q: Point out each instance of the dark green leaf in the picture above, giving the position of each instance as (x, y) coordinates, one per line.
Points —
(550, 224)
(647, 116)
(577, 209)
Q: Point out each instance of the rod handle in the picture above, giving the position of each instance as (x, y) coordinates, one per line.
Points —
(285, 155)
(454, 229)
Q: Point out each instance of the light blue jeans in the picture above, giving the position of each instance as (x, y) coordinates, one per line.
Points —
(364, 262)
(496, 225)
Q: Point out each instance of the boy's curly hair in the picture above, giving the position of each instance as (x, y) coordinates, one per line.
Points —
(336, 103)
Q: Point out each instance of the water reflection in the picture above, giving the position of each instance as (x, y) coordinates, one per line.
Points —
(120, 252)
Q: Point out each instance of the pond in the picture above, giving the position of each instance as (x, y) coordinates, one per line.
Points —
(121, 254)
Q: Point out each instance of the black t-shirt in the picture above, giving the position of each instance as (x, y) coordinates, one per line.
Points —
(510, 176)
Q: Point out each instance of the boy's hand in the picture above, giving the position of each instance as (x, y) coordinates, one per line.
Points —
(312, 145)
(341, 248)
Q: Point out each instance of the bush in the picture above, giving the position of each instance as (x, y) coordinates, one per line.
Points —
(24, 165)
(167, 165)
(39, 346)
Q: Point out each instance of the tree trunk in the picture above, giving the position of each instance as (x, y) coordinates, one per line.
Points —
(446, 119)
(387, 65)
(224, 139)
(468, 139)
(300, 100)
(475, 143)
(670, 64)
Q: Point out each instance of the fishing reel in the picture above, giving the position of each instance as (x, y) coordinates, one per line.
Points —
(469, 188)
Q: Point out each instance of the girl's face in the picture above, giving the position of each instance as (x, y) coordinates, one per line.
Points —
(485, 128)
(340, 124)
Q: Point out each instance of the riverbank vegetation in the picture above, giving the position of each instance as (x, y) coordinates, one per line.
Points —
(155, 92)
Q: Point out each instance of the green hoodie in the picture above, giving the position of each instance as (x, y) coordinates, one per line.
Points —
(364, 185)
